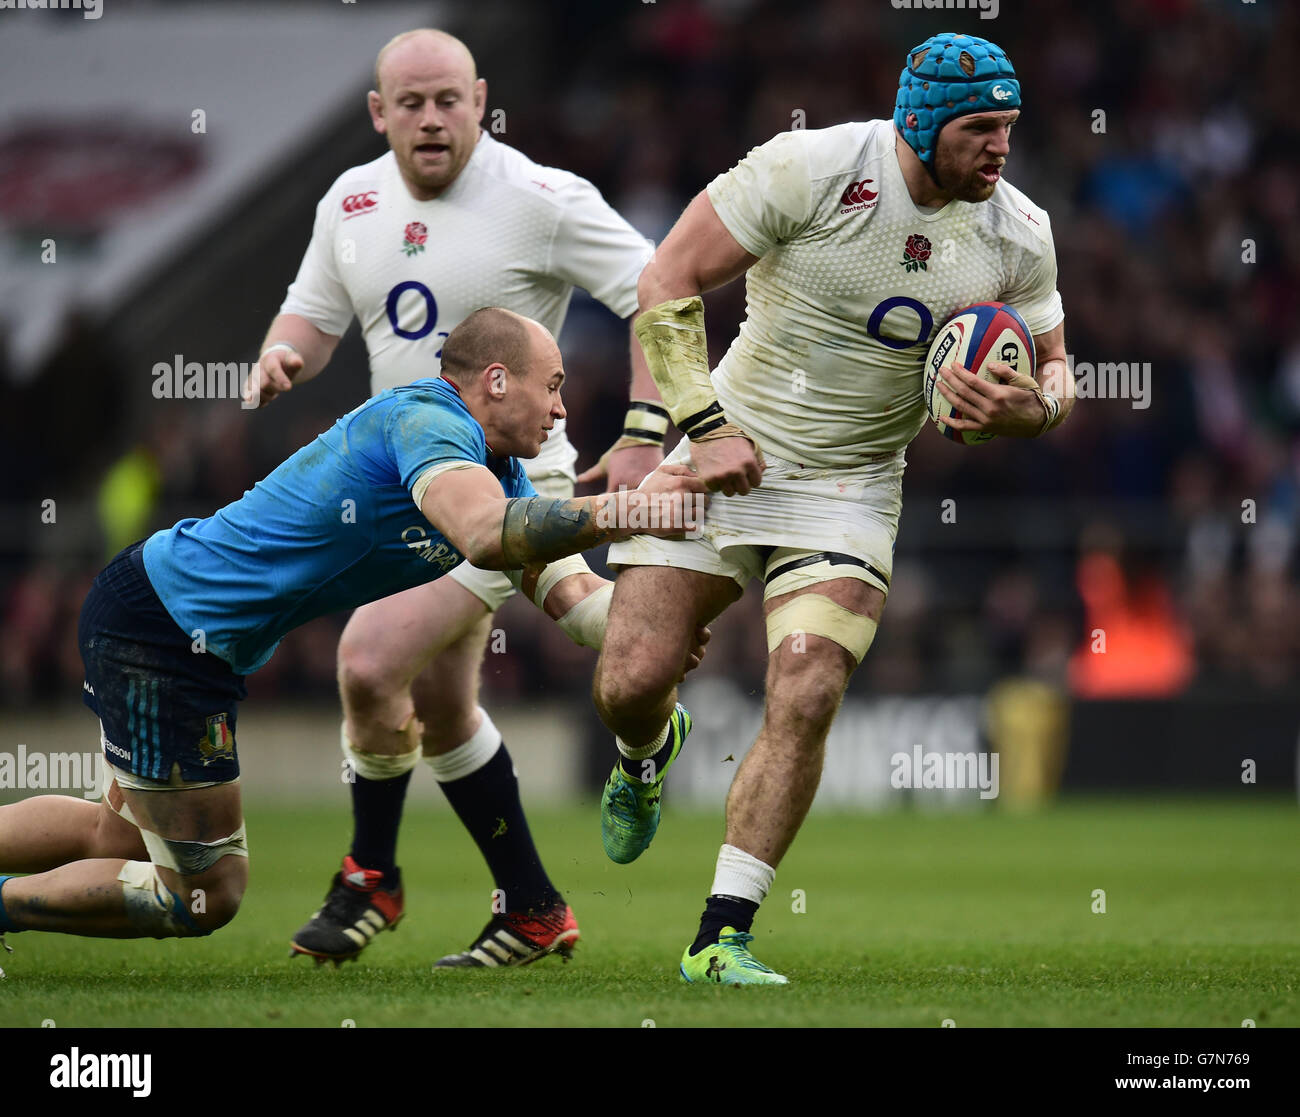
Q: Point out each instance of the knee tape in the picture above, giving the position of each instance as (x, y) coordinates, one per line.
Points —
(377, 766)
(585, 623)
(817, 615)
(788, 569)
(555, 572)
(186, 858)
(192, 858)
(151, 906)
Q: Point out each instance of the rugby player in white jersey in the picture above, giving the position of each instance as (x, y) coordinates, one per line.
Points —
(802, 428)
(449, 220)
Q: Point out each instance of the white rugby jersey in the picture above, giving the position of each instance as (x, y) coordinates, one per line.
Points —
(852, 284)
(507, 232)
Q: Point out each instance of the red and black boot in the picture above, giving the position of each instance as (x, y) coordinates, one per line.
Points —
(357, 907)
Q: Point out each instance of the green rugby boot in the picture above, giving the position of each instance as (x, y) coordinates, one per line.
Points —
(728, 962)
(629, 807)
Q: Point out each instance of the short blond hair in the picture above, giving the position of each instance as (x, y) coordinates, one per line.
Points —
(442, 37)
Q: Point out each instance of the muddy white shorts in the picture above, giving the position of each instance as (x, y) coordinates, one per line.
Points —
(849, 514)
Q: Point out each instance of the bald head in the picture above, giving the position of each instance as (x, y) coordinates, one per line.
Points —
(427, 102)
(490, 336)
(424, 48)
(508, 371)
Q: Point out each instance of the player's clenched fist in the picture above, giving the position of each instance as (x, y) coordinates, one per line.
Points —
(275, 372)
(731, 465)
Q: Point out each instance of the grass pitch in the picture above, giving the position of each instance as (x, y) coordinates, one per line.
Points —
(908, 919)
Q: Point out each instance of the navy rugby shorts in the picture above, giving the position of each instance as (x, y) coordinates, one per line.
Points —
(167, 711)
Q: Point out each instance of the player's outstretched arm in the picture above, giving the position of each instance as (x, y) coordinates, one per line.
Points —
(494, 532)
(294, 351)
(697, 255)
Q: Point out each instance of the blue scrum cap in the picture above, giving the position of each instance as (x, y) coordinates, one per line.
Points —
(948, 76)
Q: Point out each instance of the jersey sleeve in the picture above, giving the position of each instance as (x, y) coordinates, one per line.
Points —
(421, 433)
(765, 198)
(318, 294)
(1034, 293)
(425, 479)
(594, 248)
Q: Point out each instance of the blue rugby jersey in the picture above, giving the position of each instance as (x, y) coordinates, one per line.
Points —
(331, 528)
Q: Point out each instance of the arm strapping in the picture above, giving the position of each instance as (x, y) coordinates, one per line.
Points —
(536, 530)
(677, 354)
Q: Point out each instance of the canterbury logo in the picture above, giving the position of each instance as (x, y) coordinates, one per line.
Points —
(1001, 93)
(359, 203)
(857, 194)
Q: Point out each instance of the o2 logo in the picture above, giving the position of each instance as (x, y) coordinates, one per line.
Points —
(918, 308)
(430, 312)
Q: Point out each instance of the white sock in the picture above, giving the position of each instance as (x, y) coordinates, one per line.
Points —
(642, 752)
(469, 756)
(741, 875)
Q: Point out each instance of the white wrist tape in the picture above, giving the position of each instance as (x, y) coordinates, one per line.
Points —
(584, 624)
(277, 345)
(1052, 406)
(645, 424)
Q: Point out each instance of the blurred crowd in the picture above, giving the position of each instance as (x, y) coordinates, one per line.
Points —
(1137, 551)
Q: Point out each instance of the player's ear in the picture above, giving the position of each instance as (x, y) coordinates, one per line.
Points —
(496, 380)
(375, 103)
(480, 97)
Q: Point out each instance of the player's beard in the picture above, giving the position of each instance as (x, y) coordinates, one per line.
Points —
(432, 182)
(968, 187)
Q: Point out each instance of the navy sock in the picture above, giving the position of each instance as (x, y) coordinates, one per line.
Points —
(5, 925)
(487, 802)
(634, 768)
(376, 818)
(723, 911)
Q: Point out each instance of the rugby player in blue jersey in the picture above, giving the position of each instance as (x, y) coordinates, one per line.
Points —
(396, 493)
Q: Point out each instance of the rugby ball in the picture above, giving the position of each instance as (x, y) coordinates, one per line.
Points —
(974, 338)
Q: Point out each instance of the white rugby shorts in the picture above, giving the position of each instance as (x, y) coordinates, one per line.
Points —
(846, 511)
